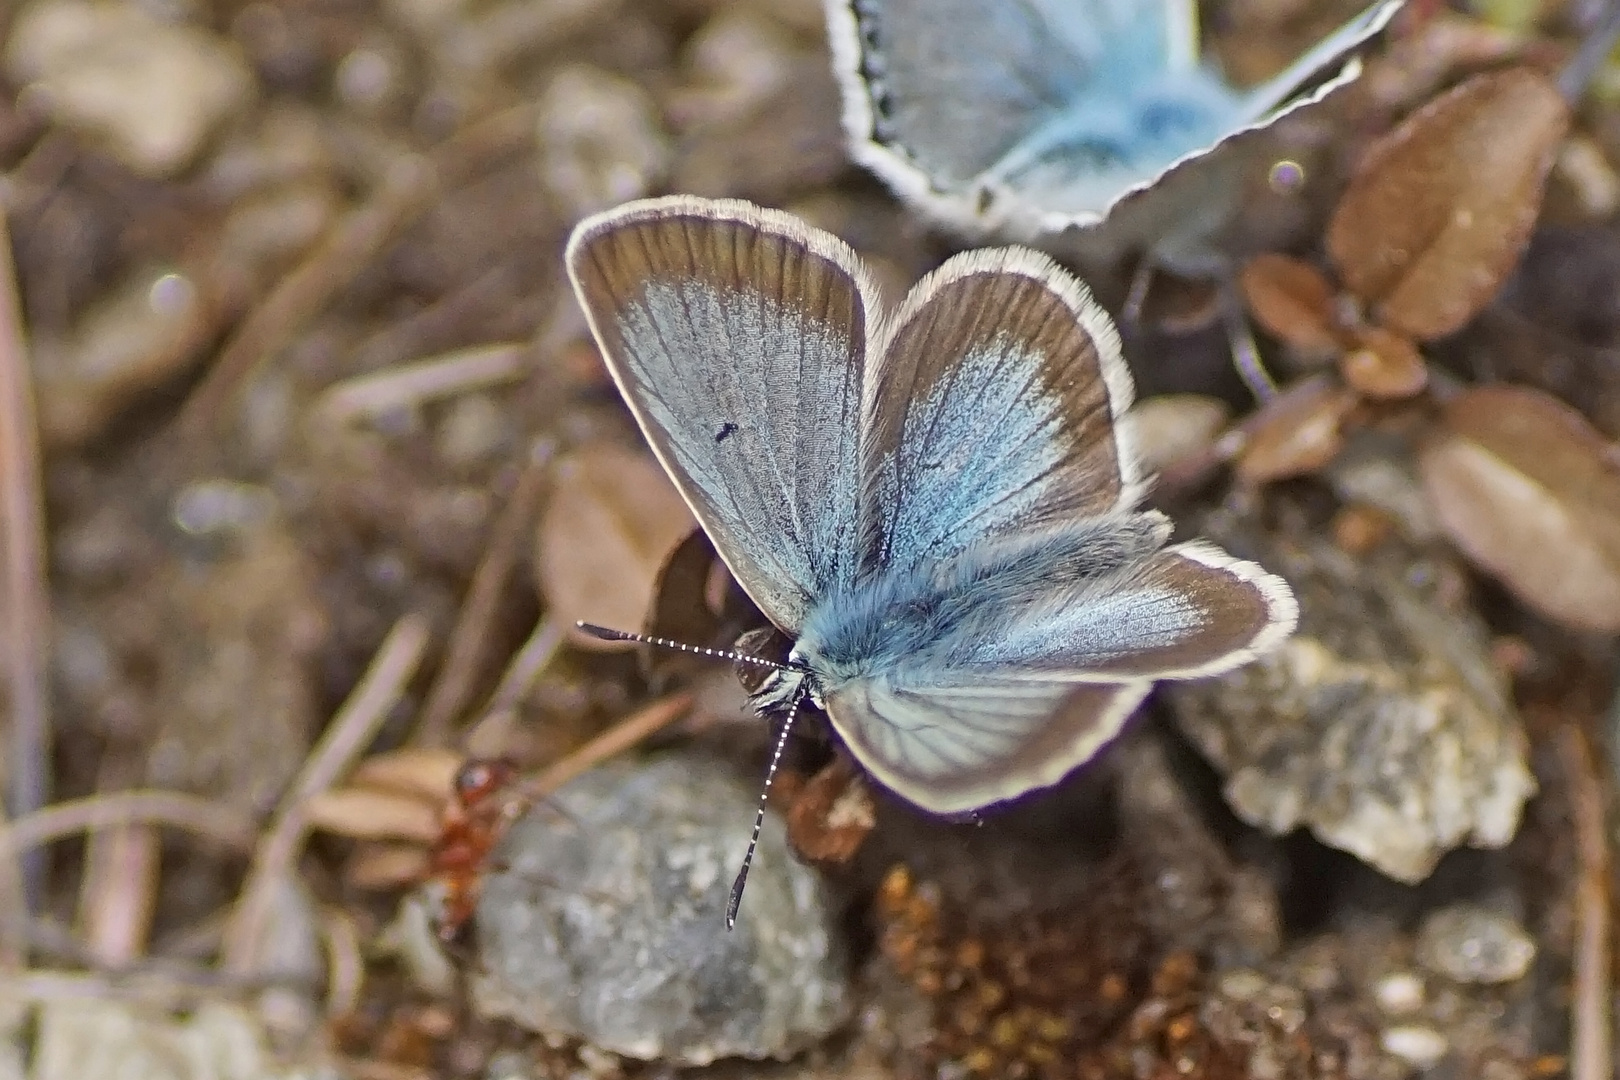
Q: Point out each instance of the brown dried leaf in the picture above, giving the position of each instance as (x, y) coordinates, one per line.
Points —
(367, 814)
(1297, 432)
(425, 773)
(1168, 428)
(380, 867)
(613, 520)
(1442, 207)
(1384, 365)
(1292, 300)
(1531, 493)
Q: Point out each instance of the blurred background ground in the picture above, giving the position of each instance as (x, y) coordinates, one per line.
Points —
(328, 464)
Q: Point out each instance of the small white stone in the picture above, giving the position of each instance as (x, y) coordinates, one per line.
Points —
(1243, 984)
(1400, 993)
(601, 141)
(1422, 1047)
(151, 91)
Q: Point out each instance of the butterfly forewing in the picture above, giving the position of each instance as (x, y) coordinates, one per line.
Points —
(992, 410)
(738, 336)
(895, 57)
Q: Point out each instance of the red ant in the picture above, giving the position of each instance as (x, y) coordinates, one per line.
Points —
(473, 822)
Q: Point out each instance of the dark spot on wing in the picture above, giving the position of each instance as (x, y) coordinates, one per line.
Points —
(727, 430)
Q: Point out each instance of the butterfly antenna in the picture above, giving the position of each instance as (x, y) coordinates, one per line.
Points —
(735, 900)
(607, 634)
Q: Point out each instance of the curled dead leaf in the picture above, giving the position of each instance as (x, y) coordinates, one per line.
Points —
(1383, 364)
(1296, 432)
(612, 521)
(1531, 493)
(1293, 300)
(1442, 206)
(382, 867)
(369, 814)
(831, 814)
(424, 772)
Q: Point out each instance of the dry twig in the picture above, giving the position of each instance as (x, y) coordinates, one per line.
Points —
(26, 630)
(217, 821)
(176, 988)
(351, 731)
(487, 737)
(1590, 1057)
(465, 653)
(611, 743)
(406, 385)
(407, 192)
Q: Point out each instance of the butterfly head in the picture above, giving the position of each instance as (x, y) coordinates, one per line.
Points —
(782, 688)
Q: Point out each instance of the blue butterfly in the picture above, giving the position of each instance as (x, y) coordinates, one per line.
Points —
(937, 503)
(1027, 118)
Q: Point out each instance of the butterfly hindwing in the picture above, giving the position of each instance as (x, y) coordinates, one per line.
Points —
(1324, 68)
(957, 748)
(1036, 646)
(992, 409)
(737, 336)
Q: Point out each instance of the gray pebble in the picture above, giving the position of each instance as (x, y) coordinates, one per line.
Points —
(605, 922)
(1382, 725)
(1470, 944)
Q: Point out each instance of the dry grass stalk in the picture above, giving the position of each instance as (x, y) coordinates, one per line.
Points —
(1590, 1057)
(350, 733)
(465, 653)
(26, 596)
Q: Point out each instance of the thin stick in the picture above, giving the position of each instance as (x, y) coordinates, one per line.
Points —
(220, 822)
(487, 737)
(351, 731)
(13, 928)
(1589, 1050)
(405, 385)
(1591, 57)
(466, 652)
(304, 293)
(1240, 340)
(612, 742)
(406, 193)
(168, 988)
(27, 619)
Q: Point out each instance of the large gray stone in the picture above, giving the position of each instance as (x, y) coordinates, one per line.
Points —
(605, 922)
(1382, 725)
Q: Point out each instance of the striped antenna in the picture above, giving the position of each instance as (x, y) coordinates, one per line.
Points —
(607, 634)
(735, 900)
